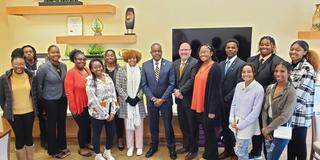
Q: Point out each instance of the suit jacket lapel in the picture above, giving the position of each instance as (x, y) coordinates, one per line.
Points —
(54, 71)
(178, 69)
(234, 63)
(163, 63)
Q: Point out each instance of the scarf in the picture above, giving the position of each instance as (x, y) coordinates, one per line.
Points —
(133, 84)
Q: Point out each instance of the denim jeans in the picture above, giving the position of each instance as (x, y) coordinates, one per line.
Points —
(242, 148)
(275, 147)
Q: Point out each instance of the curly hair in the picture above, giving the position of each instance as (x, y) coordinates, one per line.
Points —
(74, 53)
(131, 53)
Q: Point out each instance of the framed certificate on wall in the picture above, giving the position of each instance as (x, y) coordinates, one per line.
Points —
(74, 26)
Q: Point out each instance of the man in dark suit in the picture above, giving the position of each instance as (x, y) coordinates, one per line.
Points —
(231, 69)
(185, 70)
(157, 82)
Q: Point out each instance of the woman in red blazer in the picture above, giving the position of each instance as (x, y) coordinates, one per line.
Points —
(75, 88)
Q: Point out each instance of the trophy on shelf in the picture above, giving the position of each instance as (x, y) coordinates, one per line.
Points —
(129, 21)
(59, 2)
(97, 27)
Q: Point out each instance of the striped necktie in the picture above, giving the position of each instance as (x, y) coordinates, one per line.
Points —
(227, 67)
(181, 69)
(157, 71)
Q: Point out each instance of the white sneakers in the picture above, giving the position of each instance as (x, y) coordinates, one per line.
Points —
(139, 151)
(107, 154)
(130, 152)
(99, 157)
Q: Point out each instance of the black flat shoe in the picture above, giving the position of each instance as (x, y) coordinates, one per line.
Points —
(173, 154)
(151, 152)
(182, 151)
(88, 154)
(121, 148)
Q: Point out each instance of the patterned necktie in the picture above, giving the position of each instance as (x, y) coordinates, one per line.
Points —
(181, 69)
(157, 71)
(227, 67)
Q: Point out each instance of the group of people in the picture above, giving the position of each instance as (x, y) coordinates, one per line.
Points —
(237, 100)
(248, 100)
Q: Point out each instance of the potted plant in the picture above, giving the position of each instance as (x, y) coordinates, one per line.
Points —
(95, 51)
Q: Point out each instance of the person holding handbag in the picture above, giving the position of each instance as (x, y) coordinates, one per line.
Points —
(280, 99)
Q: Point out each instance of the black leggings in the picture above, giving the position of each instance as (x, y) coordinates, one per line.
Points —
(22, 126)
(297, 147)
(119, 126)
(84, 124)
(97, 126)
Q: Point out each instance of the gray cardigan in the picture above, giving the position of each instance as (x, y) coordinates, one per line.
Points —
(121, 87)
(282, 106)
(50, 84)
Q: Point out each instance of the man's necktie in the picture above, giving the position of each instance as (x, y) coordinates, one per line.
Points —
(157, 71)
(181, 69)
(227, 67)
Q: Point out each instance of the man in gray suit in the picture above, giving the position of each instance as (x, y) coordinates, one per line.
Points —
(157, 80)
(185, 70)
(231, 69)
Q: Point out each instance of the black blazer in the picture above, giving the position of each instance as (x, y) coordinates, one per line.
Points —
(185, 82)
(264, 72)
(231, 79)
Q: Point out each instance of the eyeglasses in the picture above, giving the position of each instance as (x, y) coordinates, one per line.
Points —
(18, 65)
(184, 50)
(81, 59)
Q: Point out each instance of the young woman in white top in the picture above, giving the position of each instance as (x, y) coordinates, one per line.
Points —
(103, 105)
(245, 110)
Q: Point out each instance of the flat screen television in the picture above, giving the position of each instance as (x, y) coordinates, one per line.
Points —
(214, 36)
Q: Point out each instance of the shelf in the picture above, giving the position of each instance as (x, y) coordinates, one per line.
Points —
(309, 35)
(96, 39)
(69, 9)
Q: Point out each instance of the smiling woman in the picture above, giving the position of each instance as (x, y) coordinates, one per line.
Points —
(50, 77)
(75, 88)
(206, 102)
(18, 104)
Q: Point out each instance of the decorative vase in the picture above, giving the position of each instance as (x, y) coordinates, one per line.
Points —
(129, 21)
(316, 18)
(97, 27)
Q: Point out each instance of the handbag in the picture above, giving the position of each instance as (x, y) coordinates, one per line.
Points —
(282, 132)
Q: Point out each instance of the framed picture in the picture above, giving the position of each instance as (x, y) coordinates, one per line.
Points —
(74, 25)
(41, 58)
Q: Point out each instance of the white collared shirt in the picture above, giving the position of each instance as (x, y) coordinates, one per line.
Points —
(159, 64)
(264, 58)
(231, 60)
